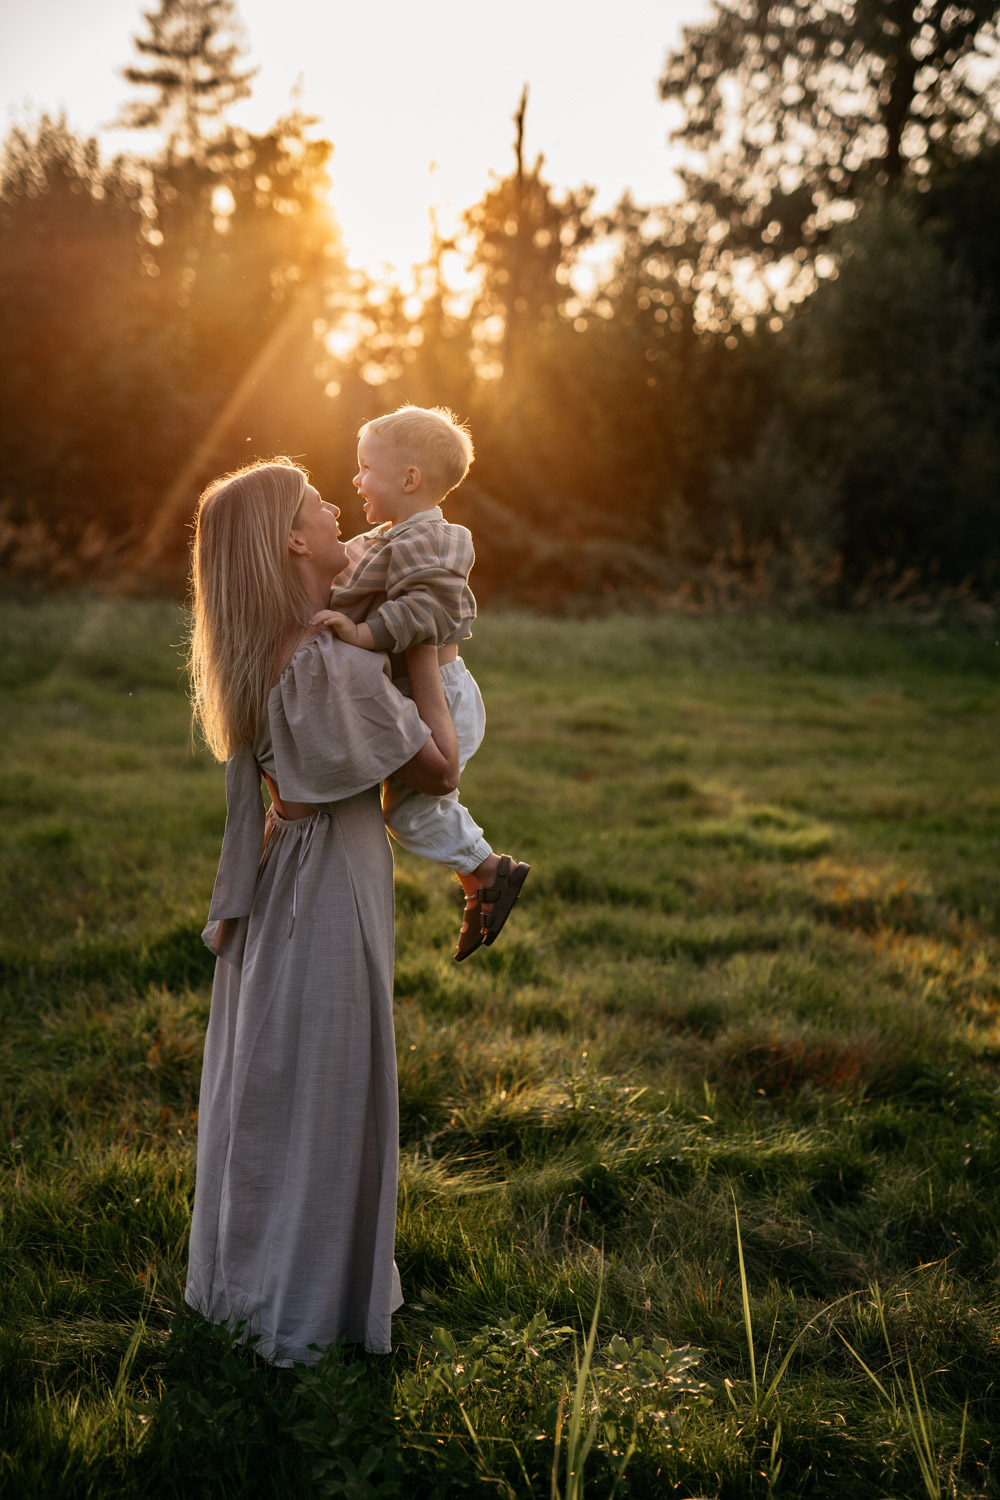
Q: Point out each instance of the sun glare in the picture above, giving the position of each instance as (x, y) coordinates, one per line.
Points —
(389, 235)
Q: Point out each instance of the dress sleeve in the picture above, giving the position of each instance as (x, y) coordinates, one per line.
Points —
(232, 897)
(338, 725)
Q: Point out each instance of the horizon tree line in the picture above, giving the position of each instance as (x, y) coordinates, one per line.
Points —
(167, 317)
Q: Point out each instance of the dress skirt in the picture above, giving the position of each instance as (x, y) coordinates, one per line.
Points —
(295, 1205)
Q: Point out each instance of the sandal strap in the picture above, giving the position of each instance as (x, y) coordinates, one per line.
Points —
(494, 892)
(471, 936)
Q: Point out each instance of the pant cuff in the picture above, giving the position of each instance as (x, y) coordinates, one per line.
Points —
(482, 850)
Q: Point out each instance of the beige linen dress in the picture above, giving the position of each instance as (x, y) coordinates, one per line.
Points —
(295, 1195)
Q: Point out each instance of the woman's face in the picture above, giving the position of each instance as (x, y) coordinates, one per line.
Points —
(315, 527)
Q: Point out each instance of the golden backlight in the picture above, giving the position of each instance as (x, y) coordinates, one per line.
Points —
(417, 99)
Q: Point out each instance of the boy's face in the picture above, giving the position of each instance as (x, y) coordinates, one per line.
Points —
(384, 481)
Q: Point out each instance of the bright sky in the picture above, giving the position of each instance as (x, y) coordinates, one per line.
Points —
(417, 95)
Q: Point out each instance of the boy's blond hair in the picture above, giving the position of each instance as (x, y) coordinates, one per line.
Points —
(432, 437)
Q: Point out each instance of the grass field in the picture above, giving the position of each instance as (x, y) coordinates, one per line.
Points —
(745, 1019)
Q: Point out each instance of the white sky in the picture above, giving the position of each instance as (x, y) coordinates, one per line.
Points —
(417, 95)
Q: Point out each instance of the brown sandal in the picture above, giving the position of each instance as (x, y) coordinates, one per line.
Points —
(471, 936)
(503, 894)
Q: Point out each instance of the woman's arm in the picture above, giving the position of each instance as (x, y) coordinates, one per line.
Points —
(434, 768)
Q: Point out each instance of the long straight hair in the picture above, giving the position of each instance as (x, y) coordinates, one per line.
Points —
(246, 598)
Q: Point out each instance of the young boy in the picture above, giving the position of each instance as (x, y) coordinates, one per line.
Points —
(408, 582)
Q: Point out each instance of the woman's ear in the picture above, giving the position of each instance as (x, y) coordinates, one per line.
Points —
(297, 544)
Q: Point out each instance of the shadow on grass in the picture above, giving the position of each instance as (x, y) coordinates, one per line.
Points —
(177, 960)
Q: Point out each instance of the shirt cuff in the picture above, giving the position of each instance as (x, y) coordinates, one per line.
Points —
(381, 634)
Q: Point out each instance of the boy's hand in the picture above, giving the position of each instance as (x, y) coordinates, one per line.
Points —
(338, 623)
(354, 635)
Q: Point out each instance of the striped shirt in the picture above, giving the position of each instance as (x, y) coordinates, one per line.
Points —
(409, 582)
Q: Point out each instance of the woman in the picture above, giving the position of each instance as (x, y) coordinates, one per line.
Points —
(295, 1196)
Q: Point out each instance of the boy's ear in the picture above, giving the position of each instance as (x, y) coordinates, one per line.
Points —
(411, 479)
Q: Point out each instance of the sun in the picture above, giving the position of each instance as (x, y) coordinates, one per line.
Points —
(389, 235)
(389, 223)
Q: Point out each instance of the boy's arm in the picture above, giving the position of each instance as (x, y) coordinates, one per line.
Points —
(370, 635)
(354, 635)
(428, 598)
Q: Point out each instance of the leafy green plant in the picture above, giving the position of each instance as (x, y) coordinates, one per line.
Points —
(221, 1416)
(506, 1365)
(348, 1438)
(631, 1391)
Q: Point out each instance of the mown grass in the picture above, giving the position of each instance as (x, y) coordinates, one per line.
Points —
(755, 973)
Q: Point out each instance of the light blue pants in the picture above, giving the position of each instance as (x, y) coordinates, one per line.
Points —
(440, 828)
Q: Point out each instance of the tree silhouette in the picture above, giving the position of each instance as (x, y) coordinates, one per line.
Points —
(193, 49)
(794, 108)
(91, 371)
(525, 241)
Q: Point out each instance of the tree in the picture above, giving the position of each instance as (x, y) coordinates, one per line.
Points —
(525, 241)
(794, 108)
(129, 382)
(84, 352)
(194, 46)
(246, 251)
(882, 433)
(961, 208)
(240, 238)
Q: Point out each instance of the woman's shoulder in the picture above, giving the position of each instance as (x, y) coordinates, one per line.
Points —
(337, 724)
(326, 681)
(324, 655)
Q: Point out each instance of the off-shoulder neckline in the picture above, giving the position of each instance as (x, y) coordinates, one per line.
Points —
(304, 640)
(320, 635)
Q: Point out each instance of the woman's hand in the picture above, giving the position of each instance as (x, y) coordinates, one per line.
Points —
(434, 769)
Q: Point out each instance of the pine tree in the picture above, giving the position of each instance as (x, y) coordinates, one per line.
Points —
(193, 47)
(525, 240)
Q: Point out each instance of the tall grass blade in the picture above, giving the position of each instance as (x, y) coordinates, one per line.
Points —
(961, 1436)
(918, 1421)
(771, 1390)
(557, 1446)
(915, 1411)
(774, 1467)
(578, 1443)
(867, 1369)
(762, 1399)
(132, 1348)
(744, 1292)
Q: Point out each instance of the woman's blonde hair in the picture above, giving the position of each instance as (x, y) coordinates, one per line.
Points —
(246, 598)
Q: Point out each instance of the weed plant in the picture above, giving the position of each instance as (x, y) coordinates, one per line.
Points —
(700, 1187)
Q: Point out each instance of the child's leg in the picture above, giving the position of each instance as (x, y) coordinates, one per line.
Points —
(440, 828)
(443, 830)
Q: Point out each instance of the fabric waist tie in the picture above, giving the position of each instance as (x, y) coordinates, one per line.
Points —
(304, 845)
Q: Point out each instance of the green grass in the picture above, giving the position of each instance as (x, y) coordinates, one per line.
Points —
(754, 973)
